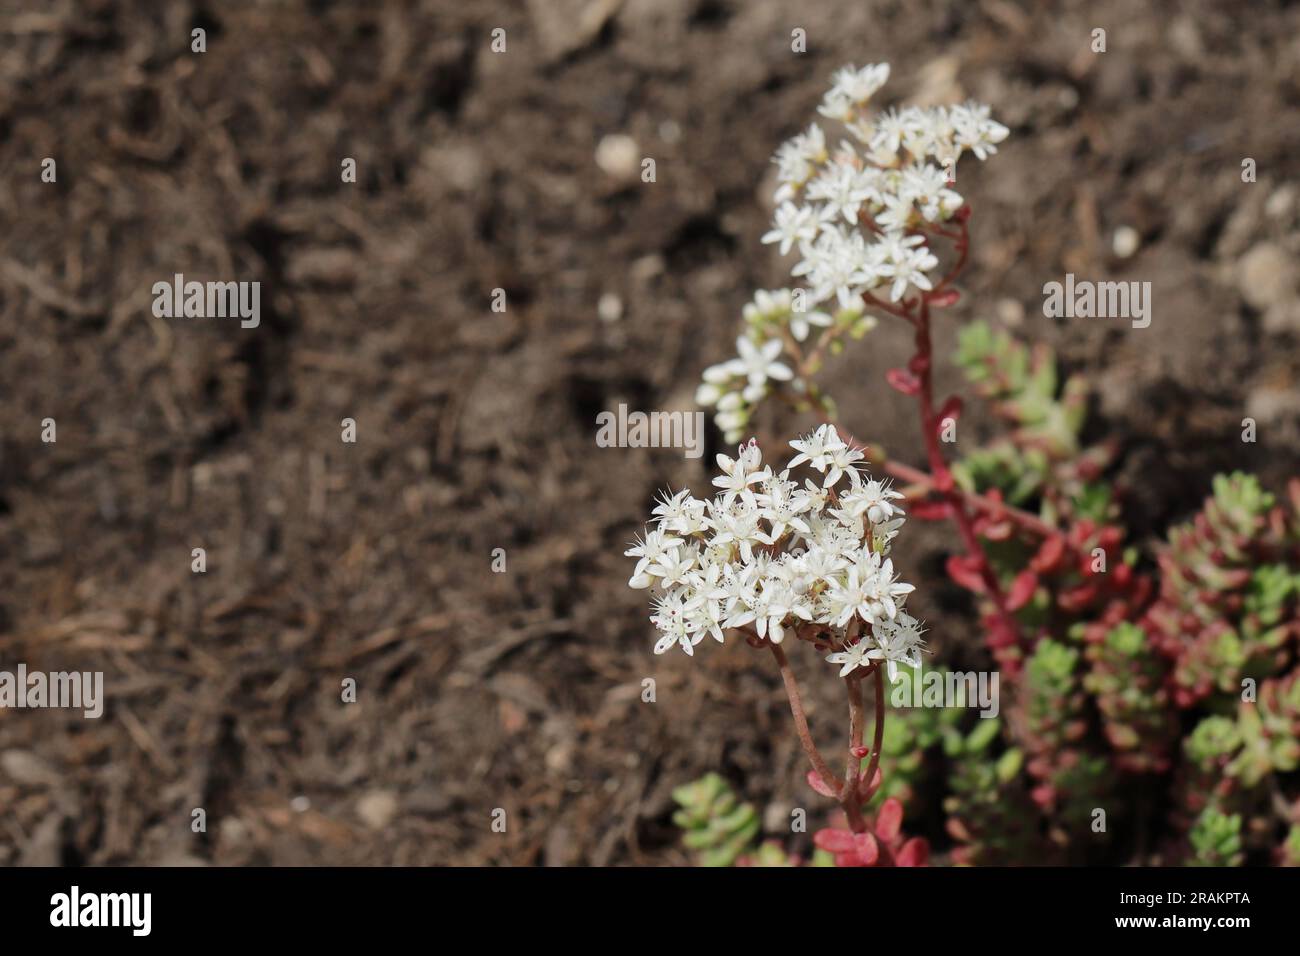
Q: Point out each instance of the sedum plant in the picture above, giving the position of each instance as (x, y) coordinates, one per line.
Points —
(1151, 693)
(717, 825)
(767, 557)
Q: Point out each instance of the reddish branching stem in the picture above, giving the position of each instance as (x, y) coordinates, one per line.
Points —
(878, 737)
(801, 721)
(943, 480)
(850, 798)
(855, 787)
(923, 482)
(942, 477)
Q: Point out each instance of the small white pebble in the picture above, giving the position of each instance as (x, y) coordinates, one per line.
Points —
(619, 156)
(1125, 241)
(1280, 203)
(1010, 312)
(609, 308)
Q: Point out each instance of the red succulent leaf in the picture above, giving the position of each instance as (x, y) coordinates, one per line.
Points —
(1076, 599)
(1000, 634)
(1049, 555)
(821, 786)
(942, 300)
(1022, 589)
(903, 381)
(915, 852)
(951, 409)
(931, 510)
(889, 821)
(1000, 531)
(961, 570)
(835, 841)
(868, 850)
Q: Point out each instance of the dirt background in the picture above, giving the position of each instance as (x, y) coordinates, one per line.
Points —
(521, 690)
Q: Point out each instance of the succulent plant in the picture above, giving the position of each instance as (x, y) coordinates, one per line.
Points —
(1204, 777)
(990, 814)
(1040, 457)
(1106, 658)
(1227, 608)
(1050, 723)
(1270, 732)
(1288, 854)
(1216, 839)
(719, 828)
(883, 844)
(1145, 652)
(1128, 683)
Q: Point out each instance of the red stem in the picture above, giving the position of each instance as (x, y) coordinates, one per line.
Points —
(801, 721)
(850, 794)
(879, 735)
(942, 477)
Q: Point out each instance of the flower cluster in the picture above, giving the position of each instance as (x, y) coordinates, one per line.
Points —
(859, 217)
(771, 557)
(734, 387)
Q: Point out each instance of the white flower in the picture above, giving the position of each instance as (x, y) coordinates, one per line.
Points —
(768, 553)
(815, 448)
(670, 507)
(859, 86)
(801, 323)
(891, 129)
(674, 616)
(738, 524)
(841, 191)
(840, 459)
(837, 263)
(707, 619)
(927, 187)
(889, 173)
(797, 160)
(772, 607)
(739, 473)
(791, 224)
(814, 494)
(836, 105)
(851, 657)
(782, 507)
(881, 591)
(974, 130)
(655, 545)
(899, 642)
(848, 597)
(758, 363)
(872, 498)
(674, 567)
(904, 263)
(708, 394)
